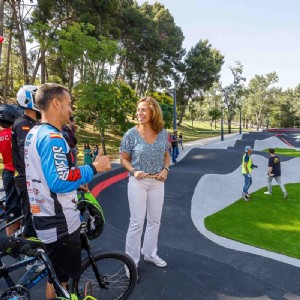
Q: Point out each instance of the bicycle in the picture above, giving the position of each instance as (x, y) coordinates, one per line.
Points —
(104, 275)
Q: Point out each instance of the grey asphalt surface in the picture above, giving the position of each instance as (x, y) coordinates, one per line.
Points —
(197, 268)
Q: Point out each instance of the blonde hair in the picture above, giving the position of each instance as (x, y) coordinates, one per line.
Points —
(157, 122)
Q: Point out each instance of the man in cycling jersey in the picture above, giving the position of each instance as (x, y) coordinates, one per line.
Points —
(52, 180)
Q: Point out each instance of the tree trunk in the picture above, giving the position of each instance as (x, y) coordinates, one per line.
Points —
(6, 78)
(138, 85)
(229, 125)
(141, 86)
(71, 77)
(36, 68)
(11, 77)
(181, 113)
(1, 24)
(119, 68)
(22, 41)
(258, 123)
(43, 66)
(102, 139)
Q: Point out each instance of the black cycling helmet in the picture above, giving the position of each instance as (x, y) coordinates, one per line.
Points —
(9, 113)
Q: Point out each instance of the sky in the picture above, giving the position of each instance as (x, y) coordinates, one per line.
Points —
(264, 35)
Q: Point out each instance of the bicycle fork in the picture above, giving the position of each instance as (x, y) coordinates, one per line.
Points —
(101, 281)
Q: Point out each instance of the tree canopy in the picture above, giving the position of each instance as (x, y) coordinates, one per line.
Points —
(113, 46)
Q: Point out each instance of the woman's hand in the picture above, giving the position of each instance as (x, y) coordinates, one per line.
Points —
(140, 174)
(162, 176)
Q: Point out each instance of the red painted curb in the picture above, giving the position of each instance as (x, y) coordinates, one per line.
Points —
(287, 142)
(106, 183)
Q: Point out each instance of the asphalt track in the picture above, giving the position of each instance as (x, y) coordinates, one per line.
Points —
(197, 267)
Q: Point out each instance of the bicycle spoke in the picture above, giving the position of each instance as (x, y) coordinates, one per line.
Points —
(113, 275)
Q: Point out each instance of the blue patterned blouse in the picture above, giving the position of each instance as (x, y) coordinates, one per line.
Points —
(145, 157)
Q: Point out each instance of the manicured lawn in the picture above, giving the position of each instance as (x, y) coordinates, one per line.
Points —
(201, 130)
(268, 222)
(285, 151)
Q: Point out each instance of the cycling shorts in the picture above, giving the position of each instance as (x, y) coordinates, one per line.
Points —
(65, 255)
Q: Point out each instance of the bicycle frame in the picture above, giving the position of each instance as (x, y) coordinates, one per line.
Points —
(86, 245)
(30, 278)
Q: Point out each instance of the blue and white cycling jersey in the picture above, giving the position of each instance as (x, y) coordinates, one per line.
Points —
(52, 181)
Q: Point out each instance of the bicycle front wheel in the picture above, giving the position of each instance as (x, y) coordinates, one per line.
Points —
(118, 274)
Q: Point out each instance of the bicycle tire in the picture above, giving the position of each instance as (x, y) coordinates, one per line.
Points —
(15, 292)
(111, 265)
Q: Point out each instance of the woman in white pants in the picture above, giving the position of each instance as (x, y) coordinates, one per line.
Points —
(144, 153)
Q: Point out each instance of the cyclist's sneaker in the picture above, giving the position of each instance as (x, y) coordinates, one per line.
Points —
(39, 263)
(268, 193)
(245, 197)
(156, 260)
(248, 196)
(285, 195)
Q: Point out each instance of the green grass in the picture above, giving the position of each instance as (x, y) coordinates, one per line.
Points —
(285, 151)
(201, 130)
(268, 222)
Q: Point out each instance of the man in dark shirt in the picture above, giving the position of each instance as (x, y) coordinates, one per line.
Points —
(174, 144)
(22, 125)
(69, 135)
(180, 140)
(274, 171)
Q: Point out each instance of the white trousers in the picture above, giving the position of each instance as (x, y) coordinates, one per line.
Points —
(144, 196)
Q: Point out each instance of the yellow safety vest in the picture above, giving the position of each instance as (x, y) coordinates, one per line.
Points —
(249, 164)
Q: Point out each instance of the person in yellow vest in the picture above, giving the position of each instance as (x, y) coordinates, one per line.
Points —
(247, 166)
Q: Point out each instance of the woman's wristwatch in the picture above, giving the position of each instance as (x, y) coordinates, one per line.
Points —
(166, 168)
